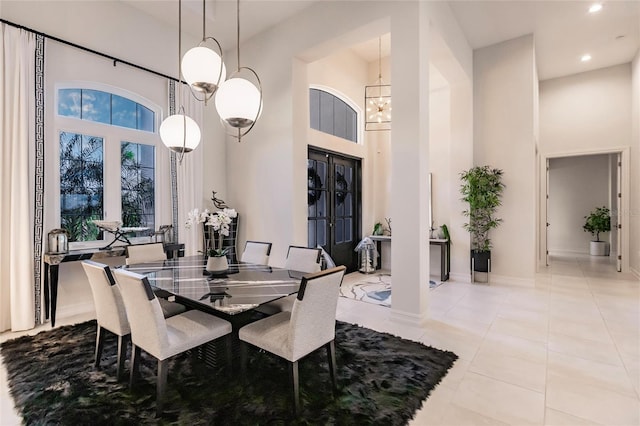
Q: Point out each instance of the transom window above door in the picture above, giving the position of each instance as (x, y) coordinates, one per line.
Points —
(333, 115)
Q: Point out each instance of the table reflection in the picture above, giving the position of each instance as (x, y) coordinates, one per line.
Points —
(242, 287)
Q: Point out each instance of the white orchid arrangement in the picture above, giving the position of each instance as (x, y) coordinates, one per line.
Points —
(218, 220)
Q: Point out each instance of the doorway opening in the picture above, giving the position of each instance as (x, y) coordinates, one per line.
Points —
(334, 219)
(575, 185)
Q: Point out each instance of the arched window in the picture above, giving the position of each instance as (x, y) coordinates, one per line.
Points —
(332, 115)
(103, 139)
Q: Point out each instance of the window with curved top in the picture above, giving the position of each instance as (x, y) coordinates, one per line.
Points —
(108, 166)
(332, 115)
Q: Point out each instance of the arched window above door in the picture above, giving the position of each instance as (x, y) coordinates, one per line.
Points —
(333, 115)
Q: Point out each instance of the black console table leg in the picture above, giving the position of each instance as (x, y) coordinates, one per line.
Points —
(443, 271)
(54, 292)
(46, 290)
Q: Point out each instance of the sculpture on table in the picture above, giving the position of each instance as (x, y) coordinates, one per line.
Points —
(119, 232)
(218, 203)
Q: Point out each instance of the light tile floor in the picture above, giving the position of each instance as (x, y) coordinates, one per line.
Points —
(565, 352)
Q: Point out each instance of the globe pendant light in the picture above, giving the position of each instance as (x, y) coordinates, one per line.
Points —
(238, 100)
(179, 132)
(202, 67)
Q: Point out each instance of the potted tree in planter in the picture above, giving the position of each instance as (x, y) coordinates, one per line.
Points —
(482, 188)
(599, 220)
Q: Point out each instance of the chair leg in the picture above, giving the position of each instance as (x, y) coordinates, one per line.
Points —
(122, 353)
(243, 360)
(331, 355)
(293, 373)
(161, 385)
(100, 332)
(135, 364)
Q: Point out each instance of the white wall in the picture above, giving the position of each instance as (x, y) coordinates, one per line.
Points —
(578, 185)
(439, 154)
(635, 170)
(586, 111)
(590, 113)
(504, 88)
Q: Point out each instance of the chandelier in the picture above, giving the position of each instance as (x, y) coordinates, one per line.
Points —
(377, 100)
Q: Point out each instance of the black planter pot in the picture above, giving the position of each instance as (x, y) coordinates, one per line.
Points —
(480, 261)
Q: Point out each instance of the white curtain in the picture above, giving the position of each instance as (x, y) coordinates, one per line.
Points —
(17, 82)
(189, 174)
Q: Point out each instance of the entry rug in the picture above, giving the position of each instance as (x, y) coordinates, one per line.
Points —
(373, 288)
(382, 380)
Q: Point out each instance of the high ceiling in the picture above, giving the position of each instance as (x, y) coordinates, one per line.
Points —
(563, 30)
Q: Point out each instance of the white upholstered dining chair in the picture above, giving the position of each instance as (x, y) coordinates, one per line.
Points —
(309, 326)
(110, 311)
(256, 252)
(302, 259)
(145, 253)
(159, 337)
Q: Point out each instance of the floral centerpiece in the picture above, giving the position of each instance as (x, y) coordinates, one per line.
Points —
(219, 221)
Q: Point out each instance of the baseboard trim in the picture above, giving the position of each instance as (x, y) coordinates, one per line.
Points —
(460, 277)
(635, 272)
(567, 252)
(408, 318)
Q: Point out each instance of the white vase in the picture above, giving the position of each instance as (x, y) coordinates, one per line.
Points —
(598, 248)
(217, 264)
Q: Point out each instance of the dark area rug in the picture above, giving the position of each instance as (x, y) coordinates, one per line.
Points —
(382, 380)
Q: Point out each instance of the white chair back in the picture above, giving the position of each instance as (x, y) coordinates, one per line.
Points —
(110, 308)
(303, 259)
(145, 253)
(256, 252)
(313, 317)
(148, 326)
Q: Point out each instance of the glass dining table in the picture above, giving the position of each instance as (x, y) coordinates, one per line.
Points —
(242, 288)
(235, 295)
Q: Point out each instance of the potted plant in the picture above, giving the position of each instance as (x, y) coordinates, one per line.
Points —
(482, 188)
(599, 220)
(220, 222)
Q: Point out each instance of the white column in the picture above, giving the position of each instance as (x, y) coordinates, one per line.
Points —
(409, 163)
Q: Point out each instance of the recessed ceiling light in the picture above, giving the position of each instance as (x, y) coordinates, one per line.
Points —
(596, 7)
(585, 58)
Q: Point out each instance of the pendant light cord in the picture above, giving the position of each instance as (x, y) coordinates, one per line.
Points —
(204, 23)
(175, 107)
(380, 59)
(238, 31)
(179, 48)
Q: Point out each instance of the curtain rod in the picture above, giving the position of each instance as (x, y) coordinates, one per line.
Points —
(95, 52)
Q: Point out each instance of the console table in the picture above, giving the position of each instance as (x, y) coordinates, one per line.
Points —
(52, 263)
(445, 252)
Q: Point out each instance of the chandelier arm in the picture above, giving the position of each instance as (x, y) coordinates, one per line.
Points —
(204, 40)
(180, 153)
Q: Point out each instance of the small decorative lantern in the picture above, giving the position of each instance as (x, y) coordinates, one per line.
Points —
(367, 256)
(58, 241)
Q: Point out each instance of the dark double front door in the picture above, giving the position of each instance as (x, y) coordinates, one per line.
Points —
(334, 220)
